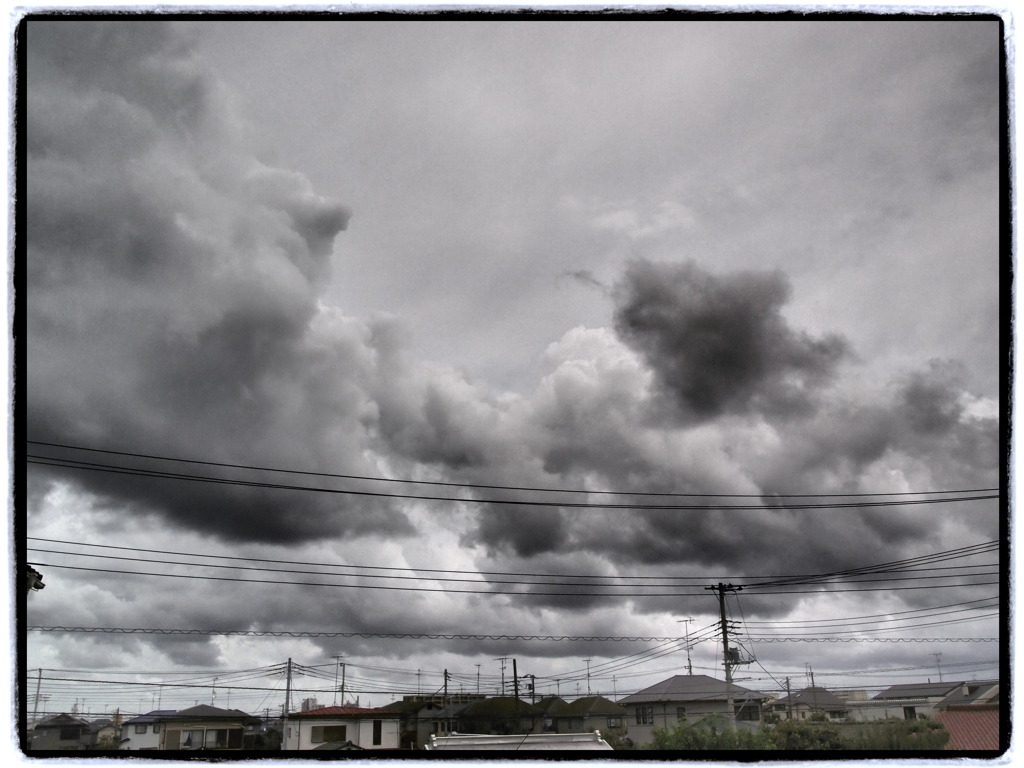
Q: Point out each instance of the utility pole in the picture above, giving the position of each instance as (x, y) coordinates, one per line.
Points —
(343, 683)
(288, 690)
(502, 659)
(35, 712)
(789, 700)
(588, 676)
(515, 681)
(814, 691)
(720, 589)
(446, 687)
(477, 679)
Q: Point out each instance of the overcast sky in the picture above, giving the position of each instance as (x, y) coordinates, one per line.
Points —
(748, 259)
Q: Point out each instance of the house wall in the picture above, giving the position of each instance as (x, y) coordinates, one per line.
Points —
(149, 739)
(665, 714)
(171, 732)
(49, 738)
(360, 731)
(895, 710)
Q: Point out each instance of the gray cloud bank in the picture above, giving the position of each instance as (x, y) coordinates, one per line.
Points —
(174, 307)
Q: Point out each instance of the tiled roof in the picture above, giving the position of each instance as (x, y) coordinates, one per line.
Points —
(971, 728)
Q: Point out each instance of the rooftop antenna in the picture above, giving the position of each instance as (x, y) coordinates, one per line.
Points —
(686, 625)
(338, 659)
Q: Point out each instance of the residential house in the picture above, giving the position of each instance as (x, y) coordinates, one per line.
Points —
(500, 715)
(206, 727)
(972, 715)
(143, 732)
(61, 732)
(688, 698)
(908, 701)
(805, 703)
(362, 727)
(550, 709)
(423, 715)
(591, 713)
(104, 734)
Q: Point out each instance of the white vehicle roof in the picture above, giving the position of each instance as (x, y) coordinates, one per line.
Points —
(525, 742)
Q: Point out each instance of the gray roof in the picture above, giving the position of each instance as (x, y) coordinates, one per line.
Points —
(974, 692)
(206, 712)
(452, 710)
(691, 688)
(60, 720)
(150, 717)
(916, 691)
(591, 705)
(815, 698)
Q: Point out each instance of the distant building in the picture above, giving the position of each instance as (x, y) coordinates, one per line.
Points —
(592, 713)
(805, 703)
(61, 732)
(206, 727)
(688, 698)
(424, 715)
(906, 701)
(143, 732)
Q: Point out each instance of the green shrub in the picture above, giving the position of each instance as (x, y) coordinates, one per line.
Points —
(712, 733)
(791, 735)
(890, 735)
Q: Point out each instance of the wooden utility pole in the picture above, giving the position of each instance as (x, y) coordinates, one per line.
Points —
(720, 589)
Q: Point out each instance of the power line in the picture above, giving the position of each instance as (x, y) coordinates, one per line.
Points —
(808, 578)
(460, 636)
(490, 487)
(609, 585)
(114, 469)
(520, 593)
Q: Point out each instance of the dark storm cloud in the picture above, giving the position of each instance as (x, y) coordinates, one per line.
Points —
(173, 289)
(720, 344)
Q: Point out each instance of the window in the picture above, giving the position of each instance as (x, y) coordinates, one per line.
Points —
(680, 713)
(216, 738)
(644, 715)
(909, 713)
(70, 732)
(156, 727)
(323, 733)
(141, 728)
(614, 721)
(192, 739)
(377, 729)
